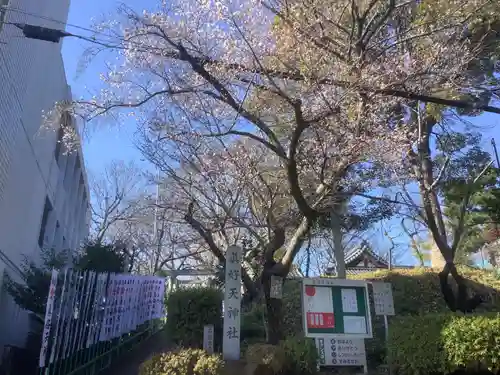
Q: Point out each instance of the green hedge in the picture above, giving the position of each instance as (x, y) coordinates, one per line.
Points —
(443, 343)
(301, 356)
(416, 292)
(189, 310)
(185, 362)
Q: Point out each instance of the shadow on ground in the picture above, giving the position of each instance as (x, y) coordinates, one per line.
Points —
(129, 363)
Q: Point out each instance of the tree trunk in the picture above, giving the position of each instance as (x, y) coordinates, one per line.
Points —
(460, 302)
(273, 309)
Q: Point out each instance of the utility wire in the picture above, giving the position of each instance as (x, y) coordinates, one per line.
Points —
(105, 43)
(53, 35)
(17, 10)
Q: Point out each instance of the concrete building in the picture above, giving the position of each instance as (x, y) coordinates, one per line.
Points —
(44, 197)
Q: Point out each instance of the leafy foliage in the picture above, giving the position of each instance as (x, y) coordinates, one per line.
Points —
(466, 159)
(292, 308)
(252, 325)
(189, 310)
(268, 359)
(437, 343)
(416, 291)
(31, 292)
(101, 258)
(301, 356)
(183, 361)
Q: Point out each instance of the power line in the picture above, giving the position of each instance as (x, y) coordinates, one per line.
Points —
(53, 35)
(17, 10)
(105, 43)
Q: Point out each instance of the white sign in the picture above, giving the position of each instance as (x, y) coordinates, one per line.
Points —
(49, 308)
(341, 352)
(349, 301)
(232, 304)
(276, 287)
(382, 297)
(355, 325)
(208, 338)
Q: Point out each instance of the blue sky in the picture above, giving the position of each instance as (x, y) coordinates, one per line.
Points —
(105, 144)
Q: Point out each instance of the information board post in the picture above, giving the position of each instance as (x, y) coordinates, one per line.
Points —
(337, 315)
(384, 305)
(232, 304)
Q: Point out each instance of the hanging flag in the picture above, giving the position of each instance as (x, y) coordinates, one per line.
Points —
(135, 308)
(126, 326)
(48, 318)
(86, 312)
(118, 306)
(78, 311)
(72, 310)
(71, 282)
(107, 322)
(59, 321)
(99, 306)
(93, 311)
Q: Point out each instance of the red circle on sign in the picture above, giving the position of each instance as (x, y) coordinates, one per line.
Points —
(310, 291)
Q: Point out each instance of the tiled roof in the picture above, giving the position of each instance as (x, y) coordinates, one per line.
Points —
(358, 270)
(356, 253)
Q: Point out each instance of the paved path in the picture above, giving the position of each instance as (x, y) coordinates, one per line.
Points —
(129, 363)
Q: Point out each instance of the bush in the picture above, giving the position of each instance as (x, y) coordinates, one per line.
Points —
(301, 356)
(266, 358)
(292, 308)
(252, 324)
(253, 329)
(191, 309)
(185, 362)
(442, 343)
(416, 292)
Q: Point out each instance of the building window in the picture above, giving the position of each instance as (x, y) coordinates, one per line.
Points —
(45, 217)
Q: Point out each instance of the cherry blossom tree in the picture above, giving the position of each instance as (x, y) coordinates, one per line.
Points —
(321, 93)
(114, 198)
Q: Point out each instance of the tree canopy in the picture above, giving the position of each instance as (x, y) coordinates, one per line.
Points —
(267, 128)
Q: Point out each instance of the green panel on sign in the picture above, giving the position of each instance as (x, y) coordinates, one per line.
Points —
(337, 310)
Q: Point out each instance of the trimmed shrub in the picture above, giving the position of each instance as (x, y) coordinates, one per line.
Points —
(185, 362)
(252, 323)
(301, 356)
(416, 291)
(191, 309)
(266, 358)
(443, 343)
(253, 328)
(292, 308)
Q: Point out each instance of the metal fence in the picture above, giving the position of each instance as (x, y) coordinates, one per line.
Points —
(92, 318)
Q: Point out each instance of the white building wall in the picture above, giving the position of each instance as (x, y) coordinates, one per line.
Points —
(32, 78)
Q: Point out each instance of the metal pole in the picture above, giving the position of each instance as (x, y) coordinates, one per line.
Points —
(386, 327)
